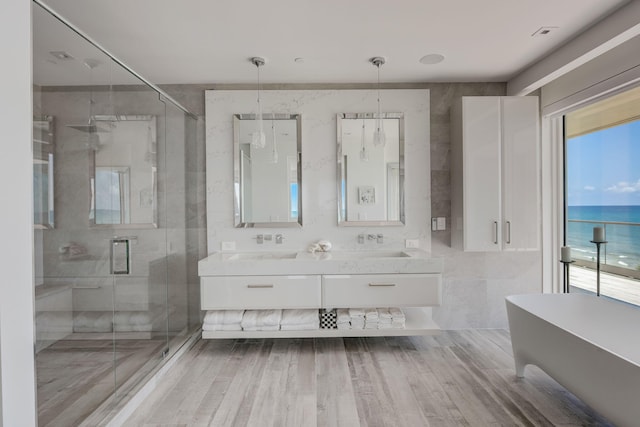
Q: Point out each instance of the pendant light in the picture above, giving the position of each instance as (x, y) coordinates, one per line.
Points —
(258, 138)
(364, 154)
(274, 148)
(379, 137)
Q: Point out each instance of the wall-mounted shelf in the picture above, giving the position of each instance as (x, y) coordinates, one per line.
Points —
(418, 322)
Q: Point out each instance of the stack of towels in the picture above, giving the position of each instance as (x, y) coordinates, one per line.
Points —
(223, 320)
(356, 318)
(299, 320)
(386, 318)
(343, 318)
(261, 320)
(371, 318)
(397, 318)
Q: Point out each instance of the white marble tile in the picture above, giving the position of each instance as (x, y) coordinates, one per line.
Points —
(319, 194)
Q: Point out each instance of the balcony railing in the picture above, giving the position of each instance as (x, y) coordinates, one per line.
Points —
(621, 255)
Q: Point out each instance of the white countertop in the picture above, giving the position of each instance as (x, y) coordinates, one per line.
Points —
(334, 262)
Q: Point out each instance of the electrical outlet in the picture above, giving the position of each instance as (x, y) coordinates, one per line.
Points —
(434, 224)
(442, 223)
(412, 243)
(228, 246)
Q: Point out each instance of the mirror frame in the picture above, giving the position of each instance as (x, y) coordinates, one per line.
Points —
(154, 174)
(341, 170)
(237, 172)
(43, 148)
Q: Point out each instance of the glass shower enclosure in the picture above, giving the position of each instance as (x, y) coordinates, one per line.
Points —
(110, 230)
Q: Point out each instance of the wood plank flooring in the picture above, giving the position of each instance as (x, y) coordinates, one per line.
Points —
(459, 378)
(75, 377)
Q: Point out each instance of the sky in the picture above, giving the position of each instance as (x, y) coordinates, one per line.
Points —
(603, 167)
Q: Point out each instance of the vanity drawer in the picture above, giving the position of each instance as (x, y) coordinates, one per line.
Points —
(259, 292)
(382, 290)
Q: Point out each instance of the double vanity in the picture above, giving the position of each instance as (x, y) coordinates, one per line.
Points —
(408, 279)
(354, 183)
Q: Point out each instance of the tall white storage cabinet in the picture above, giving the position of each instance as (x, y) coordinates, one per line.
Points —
(495, 173)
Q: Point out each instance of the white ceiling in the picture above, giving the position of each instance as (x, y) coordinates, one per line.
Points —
(205, 41)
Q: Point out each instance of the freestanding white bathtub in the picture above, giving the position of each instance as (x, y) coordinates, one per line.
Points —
(588, 344)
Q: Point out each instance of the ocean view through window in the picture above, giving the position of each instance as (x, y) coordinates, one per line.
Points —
(603, 188)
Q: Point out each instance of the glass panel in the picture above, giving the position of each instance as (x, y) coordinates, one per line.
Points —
(133, 163)
(603, 190)
(74, 292)
(104, 307)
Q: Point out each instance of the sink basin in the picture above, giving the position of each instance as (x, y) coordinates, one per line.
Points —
(250, 256)
(347, 255)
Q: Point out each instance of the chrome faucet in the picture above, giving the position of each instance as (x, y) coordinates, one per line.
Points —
(279, 238)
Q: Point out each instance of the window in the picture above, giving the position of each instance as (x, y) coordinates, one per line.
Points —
(602, 188)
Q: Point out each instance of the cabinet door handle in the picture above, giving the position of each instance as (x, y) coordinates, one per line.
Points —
(259, 286)
(508, 232)
(382, 284)
(495, 232)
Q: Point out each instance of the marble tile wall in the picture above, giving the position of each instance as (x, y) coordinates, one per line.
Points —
(474, 283)
(319, 196)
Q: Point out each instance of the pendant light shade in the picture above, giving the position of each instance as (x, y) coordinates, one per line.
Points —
(258, 138)
(379, 136)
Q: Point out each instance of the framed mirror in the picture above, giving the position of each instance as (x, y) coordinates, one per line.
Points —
(43, 153)
(370, 172)
(124, 173)
(267, 177)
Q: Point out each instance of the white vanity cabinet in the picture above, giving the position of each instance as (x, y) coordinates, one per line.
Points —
(381, 290)
(495, 173)
(259, 292)
(413, 283)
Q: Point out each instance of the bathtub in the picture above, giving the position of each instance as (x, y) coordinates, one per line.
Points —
(588, 344)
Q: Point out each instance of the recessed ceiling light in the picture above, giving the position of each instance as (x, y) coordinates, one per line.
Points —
(61, 55)
(432, 58)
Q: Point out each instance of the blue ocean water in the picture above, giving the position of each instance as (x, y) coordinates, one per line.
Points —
(623, 247)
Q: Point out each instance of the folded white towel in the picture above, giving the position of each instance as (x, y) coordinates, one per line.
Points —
(343, 315)
(263, 328)
(371, 326)
(371, 313)
(258, 318)
(356, 312)
(233, 327)
(398, 325)
(301, 327)
(396, 313)
(214, 317)
(385, 326)
(223, 317)
(384, 313)
(357, 323)
(344, 325)
(299, 317)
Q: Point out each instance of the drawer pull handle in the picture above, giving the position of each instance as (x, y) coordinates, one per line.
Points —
(259, 286)
(382, 284)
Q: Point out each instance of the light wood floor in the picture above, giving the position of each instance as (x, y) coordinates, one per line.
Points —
(460, 378)
(76, 376)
